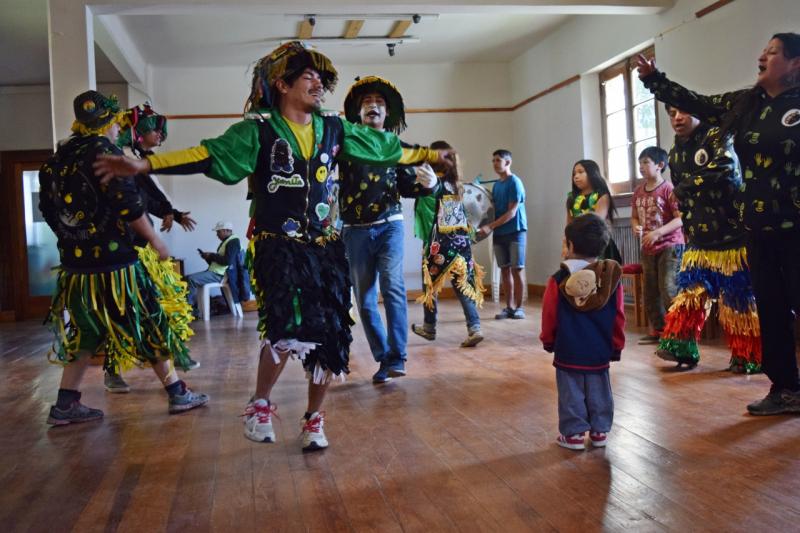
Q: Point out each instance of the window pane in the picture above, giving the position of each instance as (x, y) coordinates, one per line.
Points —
(638, 91)
(644, 120)
(617, 129)
(40, 240)
(641, 145)
(615, 94)
(618, 170)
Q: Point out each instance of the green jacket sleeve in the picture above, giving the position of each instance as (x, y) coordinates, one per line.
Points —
(234, 154)
(368, 146)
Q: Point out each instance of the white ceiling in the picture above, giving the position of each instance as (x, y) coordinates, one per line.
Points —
(195, 40)
(237, 32)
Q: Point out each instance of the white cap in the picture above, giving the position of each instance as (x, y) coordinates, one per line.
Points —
(223, 225)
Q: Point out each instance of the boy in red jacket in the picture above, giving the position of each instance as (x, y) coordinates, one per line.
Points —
(583, 321)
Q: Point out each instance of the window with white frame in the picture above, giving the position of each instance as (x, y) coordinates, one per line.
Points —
(630, 122)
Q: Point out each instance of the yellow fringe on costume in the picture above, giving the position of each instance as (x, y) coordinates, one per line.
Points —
(724, 261)
(739, 323)
(457, 269)
(173, 289)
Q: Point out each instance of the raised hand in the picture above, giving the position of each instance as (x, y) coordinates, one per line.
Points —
(426, 176)
(645, 66)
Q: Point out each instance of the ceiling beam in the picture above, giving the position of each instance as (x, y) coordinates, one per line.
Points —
(304, 30)
(353, 28)
(399, 29)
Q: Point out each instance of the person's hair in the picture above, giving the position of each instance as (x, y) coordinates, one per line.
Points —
(656, 155)
(502, 152)
(452, 174)
(745, 106)
(588, 234)
(598, 183)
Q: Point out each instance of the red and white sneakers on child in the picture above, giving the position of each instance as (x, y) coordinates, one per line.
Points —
(573, 442)
(313, 434)
(598, 438)
(258, 421)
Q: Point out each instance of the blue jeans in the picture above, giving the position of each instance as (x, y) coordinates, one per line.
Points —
(469, 307)
(584, 402)
(197, 280)
(376, 252)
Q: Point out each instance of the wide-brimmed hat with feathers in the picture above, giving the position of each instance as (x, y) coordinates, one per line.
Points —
(287, 59)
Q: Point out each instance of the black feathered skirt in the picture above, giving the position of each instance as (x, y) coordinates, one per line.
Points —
(303, 294)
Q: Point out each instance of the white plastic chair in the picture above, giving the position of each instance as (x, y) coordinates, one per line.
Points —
(204, 302)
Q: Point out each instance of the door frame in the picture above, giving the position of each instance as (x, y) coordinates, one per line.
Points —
(15, 304)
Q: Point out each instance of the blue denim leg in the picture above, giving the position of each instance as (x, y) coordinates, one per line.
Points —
(378, 251)
(573, 416)
(584, 402)
(470, 310)
(197, 280)
(599, 401)
(393, 286)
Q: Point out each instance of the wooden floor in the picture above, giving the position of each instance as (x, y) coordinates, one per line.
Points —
(465, 442)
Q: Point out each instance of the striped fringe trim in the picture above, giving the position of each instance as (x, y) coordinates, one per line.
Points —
(173, 291)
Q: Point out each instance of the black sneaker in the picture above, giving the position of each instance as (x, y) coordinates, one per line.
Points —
(382, 375)
(114, 383)
(505, 313)
(422, 332)
(396, 368)
(76, 414)
(517, 314)
(776, 402)
(186, 401)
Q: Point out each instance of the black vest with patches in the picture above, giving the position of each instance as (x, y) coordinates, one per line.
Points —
(295, 197)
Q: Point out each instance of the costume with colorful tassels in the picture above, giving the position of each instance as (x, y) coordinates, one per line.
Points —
(441, 223)
(110, 301)
(714, 267)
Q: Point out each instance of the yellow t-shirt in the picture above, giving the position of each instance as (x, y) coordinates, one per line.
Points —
(304, 133)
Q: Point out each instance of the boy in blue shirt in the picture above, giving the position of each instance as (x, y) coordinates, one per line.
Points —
(510, 228)
(583, 321)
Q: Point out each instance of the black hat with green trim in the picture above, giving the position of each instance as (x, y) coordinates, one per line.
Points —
(94, 113)
(396, 115)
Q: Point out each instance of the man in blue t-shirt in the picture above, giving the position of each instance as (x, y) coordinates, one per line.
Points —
(510, 227)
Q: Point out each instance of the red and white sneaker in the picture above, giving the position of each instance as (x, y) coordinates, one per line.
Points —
(258, 421)
(598, 438)
(573, 442)
(313, 434)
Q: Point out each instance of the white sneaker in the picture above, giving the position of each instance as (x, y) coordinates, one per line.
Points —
(258, 421)
(313, 433)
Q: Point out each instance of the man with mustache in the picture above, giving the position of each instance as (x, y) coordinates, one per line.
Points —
(369, 204)
(299, 269)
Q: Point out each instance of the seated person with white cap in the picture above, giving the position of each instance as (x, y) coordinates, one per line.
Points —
(218, 262)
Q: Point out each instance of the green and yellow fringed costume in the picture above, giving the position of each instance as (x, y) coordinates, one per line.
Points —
(707, 275)
(447, 253)
(172, 289)
(105, 300)
(117, 312)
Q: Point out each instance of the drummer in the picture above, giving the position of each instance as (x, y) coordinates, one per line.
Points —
(369, 204)
(510, 228)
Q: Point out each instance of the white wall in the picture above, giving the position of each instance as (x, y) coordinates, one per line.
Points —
(712, 54)
(223, 91)
(25, 115)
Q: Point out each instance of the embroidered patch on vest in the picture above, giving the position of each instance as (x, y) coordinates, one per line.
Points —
(291, 227)
(322, 210)
(322, 173)
(295, 181)
(281, 159)
(791, 118)
(701, 157)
